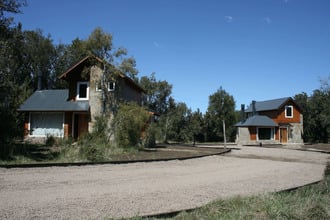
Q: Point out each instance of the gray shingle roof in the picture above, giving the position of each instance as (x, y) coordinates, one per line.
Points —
(257, 120)
(268, 105)
(52, 100)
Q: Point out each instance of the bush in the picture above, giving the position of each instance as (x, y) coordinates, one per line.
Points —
(150, 136)
(50, 141)
(128, 124)
(6, 150)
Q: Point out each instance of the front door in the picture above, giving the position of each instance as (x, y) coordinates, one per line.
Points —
(80, 123)
(284, 135)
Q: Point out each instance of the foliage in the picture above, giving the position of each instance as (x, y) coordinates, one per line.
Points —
(316, 113)
(221, 107)
(149, 140)
(9, 6)
(158, 94)
(128, 123)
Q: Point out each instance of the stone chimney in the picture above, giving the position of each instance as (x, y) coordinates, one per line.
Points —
(242, 112)
(254, 110)
(39, 81)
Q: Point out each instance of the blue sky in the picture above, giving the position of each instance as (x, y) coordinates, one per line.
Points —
(254, 49)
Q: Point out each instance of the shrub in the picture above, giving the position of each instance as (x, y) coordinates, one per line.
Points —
(150, 136)
(91, 147)
(50, 140)
(128, 124)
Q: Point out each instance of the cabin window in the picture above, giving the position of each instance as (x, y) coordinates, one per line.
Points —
(98, 86)
(265, 133)
(111, 86)
(82, 90)
(289, 111)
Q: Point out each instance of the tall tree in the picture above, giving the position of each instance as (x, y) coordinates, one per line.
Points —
(221, 107)
(158, 93)
(40, 56)
(7, 7)
(316, 112)
(13, 82)
(195, 126)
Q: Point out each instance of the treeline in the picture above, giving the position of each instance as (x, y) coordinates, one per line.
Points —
(316, 113)
(26, 56)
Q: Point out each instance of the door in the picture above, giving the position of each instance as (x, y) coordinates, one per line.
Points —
(284, 135)
(80, 122)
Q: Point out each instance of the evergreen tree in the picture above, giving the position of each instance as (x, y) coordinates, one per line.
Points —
(221, 107)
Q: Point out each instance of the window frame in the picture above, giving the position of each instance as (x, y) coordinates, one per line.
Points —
(78, 91)
(272, 133)
(98, 86)
(113, 87)
(286, 111)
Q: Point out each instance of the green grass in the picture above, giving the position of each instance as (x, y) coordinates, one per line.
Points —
(306, 203)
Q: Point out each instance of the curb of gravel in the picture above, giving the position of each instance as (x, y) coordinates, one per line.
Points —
(40, 165)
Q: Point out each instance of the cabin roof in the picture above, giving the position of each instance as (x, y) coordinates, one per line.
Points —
(52, 100)
(257, 120)
(269, 105)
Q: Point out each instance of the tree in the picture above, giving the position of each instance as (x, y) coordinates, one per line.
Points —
(221, 107)
(40, 56)
(316, 113)
(158, 94)
(9, 6)
(13, 82)
(195, 125)
(128, 124)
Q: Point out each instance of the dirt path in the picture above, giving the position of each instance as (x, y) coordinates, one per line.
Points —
(95, 192)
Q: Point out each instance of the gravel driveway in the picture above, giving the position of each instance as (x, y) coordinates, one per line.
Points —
(96, 192)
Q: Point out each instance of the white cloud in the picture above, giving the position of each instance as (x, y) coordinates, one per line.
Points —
(229, 19)
(267, 20)
(156, 44)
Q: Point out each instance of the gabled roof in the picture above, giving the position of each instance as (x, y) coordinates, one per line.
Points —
(269, 105)
(257, 120)
(52, 100)
(84, 60)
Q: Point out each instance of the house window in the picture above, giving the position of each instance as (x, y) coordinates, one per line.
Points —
(265, 133)
(82, 90)
(111, 86)
(98, 86)
(289, 111)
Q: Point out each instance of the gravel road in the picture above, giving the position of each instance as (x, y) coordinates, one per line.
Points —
(97, 192)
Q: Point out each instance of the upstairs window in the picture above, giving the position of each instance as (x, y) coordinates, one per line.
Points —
(289, 111)
(82, 90)
(98, 86)
(111, 86)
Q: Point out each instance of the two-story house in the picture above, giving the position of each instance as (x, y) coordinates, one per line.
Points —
(71, 112)
(277, 121)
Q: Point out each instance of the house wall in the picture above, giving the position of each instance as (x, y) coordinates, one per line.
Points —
(295, 132)
(129, 94)
(243, 136)
(279, 115)
(73, 79)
